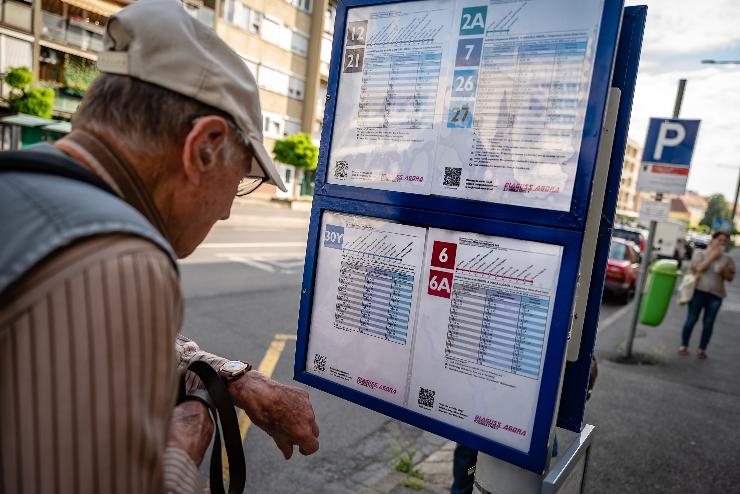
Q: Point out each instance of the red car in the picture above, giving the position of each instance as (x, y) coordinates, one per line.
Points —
(623, 269)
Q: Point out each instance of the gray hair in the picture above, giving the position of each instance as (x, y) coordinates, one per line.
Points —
(143, 116)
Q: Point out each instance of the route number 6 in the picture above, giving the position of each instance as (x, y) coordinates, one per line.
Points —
(443, 254)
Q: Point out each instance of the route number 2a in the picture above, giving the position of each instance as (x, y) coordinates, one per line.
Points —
(473, 20)
(440, 284)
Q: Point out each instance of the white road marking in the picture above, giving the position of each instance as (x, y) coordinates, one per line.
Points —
(249, 245)
(612, 318)
(270, 264)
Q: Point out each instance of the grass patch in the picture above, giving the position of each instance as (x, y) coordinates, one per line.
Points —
(412, 483)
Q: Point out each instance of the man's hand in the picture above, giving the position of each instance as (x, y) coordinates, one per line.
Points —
(283, 412)
(191, 429)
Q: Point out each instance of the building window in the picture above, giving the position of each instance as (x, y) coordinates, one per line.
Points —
(325, 49)
(291, 127)
(330, 15)
(14, 52)
(299, 43)
(271, 30)
(296, 88)
(272, 125)
(17, 14)
(274, 80)
(304, 5)
(321, 101)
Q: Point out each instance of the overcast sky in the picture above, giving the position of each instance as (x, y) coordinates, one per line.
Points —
(679, 34)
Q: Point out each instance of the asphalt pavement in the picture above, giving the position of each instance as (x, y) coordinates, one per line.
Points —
(242, 288)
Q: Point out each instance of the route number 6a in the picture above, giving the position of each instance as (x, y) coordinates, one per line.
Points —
(440, 284)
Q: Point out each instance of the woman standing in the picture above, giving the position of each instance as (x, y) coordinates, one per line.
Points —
(712, 267)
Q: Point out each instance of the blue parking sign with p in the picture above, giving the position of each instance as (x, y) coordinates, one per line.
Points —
(670, 141)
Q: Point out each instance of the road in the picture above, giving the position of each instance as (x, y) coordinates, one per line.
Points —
(242, 288)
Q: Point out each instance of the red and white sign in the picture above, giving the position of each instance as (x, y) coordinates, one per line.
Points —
(440, 284)
(443, 255)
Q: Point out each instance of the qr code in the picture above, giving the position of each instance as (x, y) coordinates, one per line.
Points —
(341, 169)
(426, 398)
(319, 363)
(452, 176)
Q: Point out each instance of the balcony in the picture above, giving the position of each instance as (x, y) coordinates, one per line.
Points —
(17, 14)
(75, 32)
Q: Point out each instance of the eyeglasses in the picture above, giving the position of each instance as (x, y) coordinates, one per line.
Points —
(247, 185)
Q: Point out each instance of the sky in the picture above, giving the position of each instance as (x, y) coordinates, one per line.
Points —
(680, 34)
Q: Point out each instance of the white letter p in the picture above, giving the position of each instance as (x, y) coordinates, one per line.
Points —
(665, 141)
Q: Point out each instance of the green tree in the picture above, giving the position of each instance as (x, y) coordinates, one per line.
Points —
(716, 210)
(79, 74)
(297, 150)
(26, 98)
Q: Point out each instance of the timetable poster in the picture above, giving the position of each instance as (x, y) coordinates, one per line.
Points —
(515, 110)
(390, 94)
(482, 331)
(472, 99)
(364, 307)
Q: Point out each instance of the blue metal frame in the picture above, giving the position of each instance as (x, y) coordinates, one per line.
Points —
(573, 219)
(571, 241)
(555, 227)
(575, 384)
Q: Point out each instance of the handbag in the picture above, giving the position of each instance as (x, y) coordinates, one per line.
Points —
(216, 397)
(687, 287)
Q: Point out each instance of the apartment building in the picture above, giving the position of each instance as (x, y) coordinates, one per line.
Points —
(629, 199)
(286, 44)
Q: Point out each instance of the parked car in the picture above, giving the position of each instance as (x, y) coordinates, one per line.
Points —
(634, 235)
(623, 269)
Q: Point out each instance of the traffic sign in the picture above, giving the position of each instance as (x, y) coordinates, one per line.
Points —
(668, 148)
(654, 211)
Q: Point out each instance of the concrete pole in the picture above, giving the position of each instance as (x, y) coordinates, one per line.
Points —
(493, 476)
(647, 257)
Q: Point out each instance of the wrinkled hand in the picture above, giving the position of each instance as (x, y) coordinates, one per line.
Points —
(284, 412)
(191, 429)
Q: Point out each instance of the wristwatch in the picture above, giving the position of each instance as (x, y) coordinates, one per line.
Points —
(233, 369)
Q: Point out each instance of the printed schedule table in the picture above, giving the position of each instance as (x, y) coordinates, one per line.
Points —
(399, 89)
(373, 300)
(497, 328)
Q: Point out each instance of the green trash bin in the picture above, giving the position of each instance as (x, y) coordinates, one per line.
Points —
(657, 297)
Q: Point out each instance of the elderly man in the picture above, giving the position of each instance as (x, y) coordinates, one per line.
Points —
(90, 303)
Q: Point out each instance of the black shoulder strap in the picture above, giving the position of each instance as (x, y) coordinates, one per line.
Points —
(50, 164)
(216, 397)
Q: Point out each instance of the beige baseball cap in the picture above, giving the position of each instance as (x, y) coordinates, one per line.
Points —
(158, 42)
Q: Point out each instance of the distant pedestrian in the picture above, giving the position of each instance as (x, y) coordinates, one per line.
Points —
(713, 268)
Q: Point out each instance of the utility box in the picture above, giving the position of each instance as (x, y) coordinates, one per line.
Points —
(662, 281)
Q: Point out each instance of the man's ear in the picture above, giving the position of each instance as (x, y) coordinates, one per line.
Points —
(202, 145)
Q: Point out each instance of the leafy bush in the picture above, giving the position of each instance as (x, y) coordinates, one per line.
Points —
(26, 98)
(37, 101)
(19, 78)
(297, 150)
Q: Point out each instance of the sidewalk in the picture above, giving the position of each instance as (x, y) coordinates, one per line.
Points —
(669, 426)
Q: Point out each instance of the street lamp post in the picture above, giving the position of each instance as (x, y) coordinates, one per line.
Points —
(737, 189)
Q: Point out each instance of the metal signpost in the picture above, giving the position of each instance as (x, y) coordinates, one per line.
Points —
(666, 160)
(464, 159)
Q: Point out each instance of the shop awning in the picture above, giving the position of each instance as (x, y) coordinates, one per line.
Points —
(99, 7)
